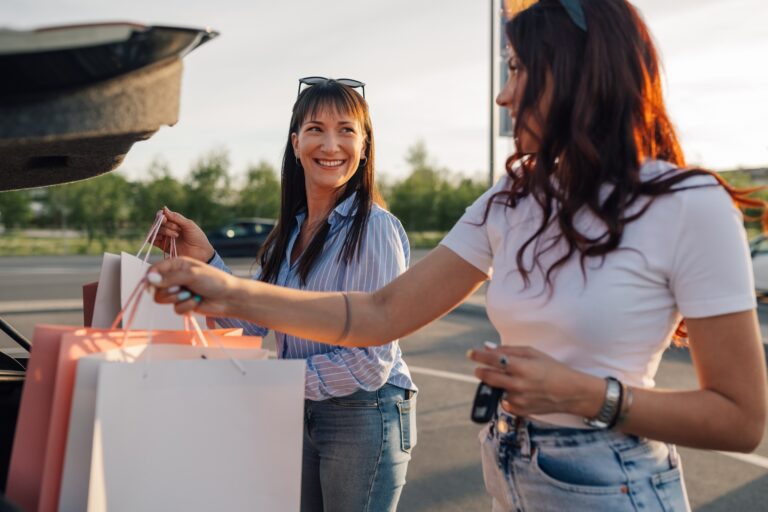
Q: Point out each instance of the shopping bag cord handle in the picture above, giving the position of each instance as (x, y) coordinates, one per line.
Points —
(152, 235)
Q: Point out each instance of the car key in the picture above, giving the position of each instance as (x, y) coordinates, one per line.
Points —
(486, 397)
(486, 401)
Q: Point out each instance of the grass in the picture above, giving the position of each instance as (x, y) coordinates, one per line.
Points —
(425, 239)
(20, 244)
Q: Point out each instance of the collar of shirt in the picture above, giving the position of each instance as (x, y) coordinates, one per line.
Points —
(343, 210)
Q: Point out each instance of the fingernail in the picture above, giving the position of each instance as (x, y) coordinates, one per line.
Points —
(470, 352)
(490, 345)
(183, 296)
(154, 278)
(174, 289)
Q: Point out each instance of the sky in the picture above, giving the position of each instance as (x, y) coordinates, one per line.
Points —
(426, 66)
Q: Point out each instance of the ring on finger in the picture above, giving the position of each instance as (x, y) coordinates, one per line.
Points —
(503, 362)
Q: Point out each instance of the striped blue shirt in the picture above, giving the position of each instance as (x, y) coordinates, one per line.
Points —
(384, 254)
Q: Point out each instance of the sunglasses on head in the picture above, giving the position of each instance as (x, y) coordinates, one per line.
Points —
(572, 7)
(309, 81)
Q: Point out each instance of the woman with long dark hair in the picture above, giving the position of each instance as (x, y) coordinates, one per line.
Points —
(334, 234)
(597, 243)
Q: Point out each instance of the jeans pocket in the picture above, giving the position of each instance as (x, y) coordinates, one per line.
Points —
(408, 436)
(360, 399)
(580, 469)
(670, 491)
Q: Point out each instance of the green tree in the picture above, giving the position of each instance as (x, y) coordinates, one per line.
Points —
(453, 198)
(260, 195)
(414, 200)
(208, 190)
(161, 189)
(15, 208)
(99, 206)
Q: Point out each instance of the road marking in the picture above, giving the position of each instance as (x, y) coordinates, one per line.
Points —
(443, 374)
(24, 306)
(748, 458)
(46, 270)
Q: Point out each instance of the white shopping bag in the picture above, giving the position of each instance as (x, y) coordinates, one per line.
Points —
(149, 314)
(107, 303)
(120, 275)
(174, 431)
(78, 452)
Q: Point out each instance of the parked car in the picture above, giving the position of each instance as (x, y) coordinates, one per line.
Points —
(758, 247)
(241, 237)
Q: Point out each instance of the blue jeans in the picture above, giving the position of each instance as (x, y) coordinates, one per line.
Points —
(356, 451)
(532, 466)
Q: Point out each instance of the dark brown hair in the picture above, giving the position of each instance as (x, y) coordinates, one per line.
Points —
(606, 117)
(335, 97)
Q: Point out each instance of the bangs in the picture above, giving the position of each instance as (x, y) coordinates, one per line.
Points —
(333, 98)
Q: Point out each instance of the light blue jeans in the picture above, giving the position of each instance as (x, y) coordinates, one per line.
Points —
(532, 466)
(356, 451)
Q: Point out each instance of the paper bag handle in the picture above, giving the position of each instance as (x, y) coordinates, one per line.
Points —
(152, 235)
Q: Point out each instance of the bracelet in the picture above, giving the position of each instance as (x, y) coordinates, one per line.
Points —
(606, 417)
(347, 318)
(211, 258)
(626, 403)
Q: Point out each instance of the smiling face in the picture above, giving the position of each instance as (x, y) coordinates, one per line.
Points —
(330, 146)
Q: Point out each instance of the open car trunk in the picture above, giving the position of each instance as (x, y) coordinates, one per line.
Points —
(73, 100)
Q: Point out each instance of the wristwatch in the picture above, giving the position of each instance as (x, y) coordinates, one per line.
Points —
(609, 411)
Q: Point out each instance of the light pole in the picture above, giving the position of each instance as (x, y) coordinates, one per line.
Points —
(492, 98)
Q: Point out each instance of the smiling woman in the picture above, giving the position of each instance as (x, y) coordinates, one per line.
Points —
(334, 234)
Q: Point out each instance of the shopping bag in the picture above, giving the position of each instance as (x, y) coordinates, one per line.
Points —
(149, 313)
(28, 453)
(77, 460)
(73, 346)
(173, 431)
(37, 453)
(89, 302)
(106, 304)
(119, 276)
(43, 413)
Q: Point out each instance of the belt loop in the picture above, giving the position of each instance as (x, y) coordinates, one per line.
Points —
(523, 438)
(674, 458)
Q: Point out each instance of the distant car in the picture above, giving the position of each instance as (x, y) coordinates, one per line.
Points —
(758, 246)
(241, 237)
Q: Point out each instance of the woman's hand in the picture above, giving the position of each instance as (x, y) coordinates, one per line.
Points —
(190, 239)
(535, 383)
(193, 286)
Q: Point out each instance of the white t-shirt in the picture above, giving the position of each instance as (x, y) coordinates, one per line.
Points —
(686, 255)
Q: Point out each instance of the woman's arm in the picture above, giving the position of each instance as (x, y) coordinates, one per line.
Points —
(727, 412)
(430, 289)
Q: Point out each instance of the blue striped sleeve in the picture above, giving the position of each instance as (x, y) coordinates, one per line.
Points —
(343, 370)
(249, 329)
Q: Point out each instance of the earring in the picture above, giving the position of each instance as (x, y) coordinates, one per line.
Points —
(298, 162)
(363, 160)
